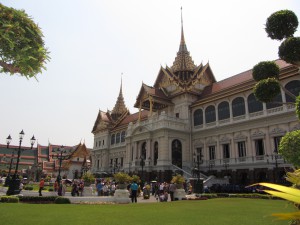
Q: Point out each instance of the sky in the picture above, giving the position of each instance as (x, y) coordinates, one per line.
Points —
(93, 42)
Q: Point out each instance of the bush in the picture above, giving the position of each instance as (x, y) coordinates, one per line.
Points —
(289, 147)
(9, 199)
(28, 188)
(62, 200)
(37, 199)
(50, 189)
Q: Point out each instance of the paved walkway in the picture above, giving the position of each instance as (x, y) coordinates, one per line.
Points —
(79, 199)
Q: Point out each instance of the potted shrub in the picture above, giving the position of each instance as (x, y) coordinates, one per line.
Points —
(122, 179)
(88, 178)
(178, 180)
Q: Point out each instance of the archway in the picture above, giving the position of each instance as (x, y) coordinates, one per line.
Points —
(177, 153)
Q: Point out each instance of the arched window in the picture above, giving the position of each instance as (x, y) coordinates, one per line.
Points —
(177, 153)
(143, 150)
(294, 88)
(112, 139)
(210, 114)
(277, 102)
(118, 138)
(123, 136)
(238, 107)
(198, 117)
(155, 153)
(223, 111)
(253, 104)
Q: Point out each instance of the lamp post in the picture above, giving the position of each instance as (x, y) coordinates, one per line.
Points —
(14, 183)
(60, 155)
(199, 184)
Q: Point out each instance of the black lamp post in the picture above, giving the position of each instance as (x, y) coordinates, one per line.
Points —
(199, 184)
(8, 178)
(14, 183)
(60, 155)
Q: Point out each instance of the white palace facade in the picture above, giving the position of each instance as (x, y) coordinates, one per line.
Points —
(188, 118)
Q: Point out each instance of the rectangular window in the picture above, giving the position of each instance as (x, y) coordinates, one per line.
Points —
(212, 152)
(111, 162)
(103, 142)
(276, 143)
(98, 163)
(96, 144)
(259, 147)
(226, 151)
(177, 115)
(122, 162)
(199, 155)
(241, 148)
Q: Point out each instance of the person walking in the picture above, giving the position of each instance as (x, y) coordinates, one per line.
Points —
(41, 185)
(172, 189)
(134, 188)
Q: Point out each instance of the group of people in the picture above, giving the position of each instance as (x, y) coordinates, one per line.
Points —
(105, 188)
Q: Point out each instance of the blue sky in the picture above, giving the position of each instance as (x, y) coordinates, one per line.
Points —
(93, 41)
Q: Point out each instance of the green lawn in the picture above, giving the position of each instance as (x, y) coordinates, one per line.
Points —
(233, 211)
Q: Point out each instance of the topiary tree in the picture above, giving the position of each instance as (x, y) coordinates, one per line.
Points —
(289, 147)
(281, 24)
(22, 48)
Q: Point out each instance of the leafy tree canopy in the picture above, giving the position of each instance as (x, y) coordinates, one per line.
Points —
(22, 48)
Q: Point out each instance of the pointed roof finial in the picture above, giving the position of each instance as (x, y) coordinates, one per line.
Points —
(119, 107)
(183, 60)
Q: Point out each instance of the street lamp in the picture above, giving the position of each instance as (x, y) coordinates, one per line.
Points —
(199, 183)
(60, 155)
(14, 183)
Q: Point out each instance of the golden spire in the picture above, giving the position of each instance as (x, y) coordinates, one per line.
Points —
(183, 61)
(120, 107)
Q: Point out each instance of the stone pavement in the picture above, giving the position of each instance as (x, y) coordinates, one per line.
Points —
(82, 199)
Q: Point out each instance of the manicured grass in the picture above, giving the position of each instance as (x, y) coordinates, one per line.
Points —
(207, 212)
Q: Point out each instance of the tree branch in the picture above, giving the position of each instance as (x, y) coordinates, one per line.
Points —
(9, 67)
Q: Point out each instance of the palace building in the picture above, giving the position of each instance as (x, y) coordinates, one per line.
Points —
(188, 118)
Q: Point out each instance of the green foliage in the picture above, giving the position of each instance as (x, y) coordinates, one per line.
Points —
(289, 147)
(122, 177)
(264, 70)
(281, 24)
(289, 50)
(21, 44)
(88, 177)
(298, 106)
(266, 90)
(9, 199)
(50, 189)
(62, 200)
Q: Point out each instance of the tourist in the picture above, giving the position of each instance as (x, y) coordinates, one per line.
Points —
(41, 185)
(81, 188)
(172, 189)
(56, 186)
(99, 188)
(133, 189)
(74, 190)
(21, 186)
